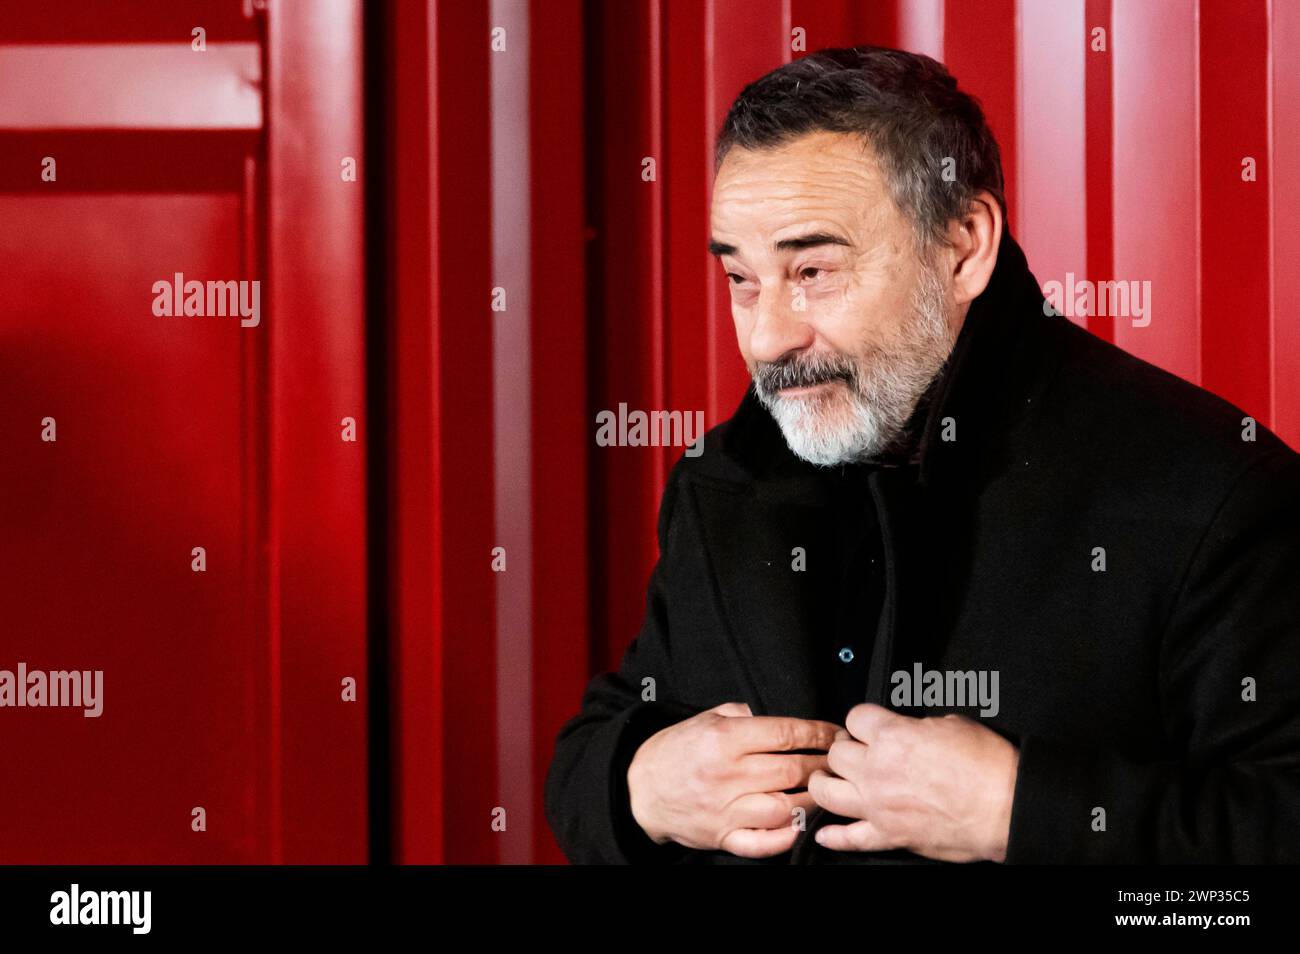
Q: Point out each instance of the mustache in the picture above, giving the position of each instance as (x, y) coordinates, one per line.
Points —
(802, 371)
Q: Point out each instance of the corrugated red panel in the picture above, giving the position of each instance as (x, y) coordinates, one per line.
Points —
(1284, 186)
(625, 176)
(222, 680)
(1157, 181)
(316, 379)
(463, 326)
(1099, 179)
(567, 162)
(413, 522)
(1117, 154)
(561, 426)
(979, 48)
(1234, 183)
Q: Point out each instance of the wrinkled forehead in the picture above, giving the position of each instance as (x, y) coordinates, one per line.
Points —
(821, 178)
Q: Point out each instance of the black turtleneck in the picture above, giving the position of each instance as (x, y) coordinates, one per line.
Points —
(854, 591)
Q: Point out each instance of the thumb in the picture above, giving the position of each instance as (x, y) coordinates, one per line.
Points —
(865, 719)
(858, 836)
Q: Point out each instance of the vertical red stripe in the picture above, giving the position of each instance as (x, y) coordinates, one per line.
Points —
(1153, 46)
(688, 268)
(841, 23)
(315, 320)
(1048, 218)
(624, 343)
(824, 24)
(463, 328)
(1235, 213)
(920, 27)
(1284, 183)
(979, 49)
(659, 347)
(562, 434)
(415, 522)
(1099, 180)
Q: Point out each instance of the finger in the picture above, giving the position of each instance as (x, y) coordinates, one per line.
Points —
(733, 710)
(847, 758)
(779, 772)
(866, 719)
(771, 810)
(859, 836)
(759, 842)
(835, 795)
(783, 733)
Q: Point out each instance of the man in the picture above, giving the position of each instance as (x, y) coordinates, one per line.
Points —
(958, 581)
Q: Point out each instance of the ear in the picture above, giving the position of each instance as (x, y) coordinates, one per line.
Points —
(975, 238)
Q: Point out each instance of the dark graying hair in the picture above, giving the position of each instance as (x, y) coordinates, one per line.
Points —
(905, 106)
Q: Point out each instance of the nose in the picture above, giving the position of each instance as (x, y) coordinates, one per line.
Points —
(779, 328)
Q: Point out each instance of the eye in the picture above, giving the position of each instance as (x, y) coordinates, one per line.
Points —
(807, 272)
(736, 279)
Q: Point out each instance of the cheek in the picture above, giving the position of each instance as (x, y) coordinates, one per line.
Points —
(844, 319)
(859, 314)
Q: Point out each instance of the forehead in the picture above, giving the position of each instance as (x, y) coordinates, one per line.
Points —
(823, 176)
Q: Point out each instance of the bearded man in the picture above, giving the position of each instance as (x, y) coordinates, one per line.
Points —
(935, 483)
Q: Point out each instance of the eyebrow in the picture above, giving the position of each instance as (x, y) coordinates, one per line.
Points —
(810, 241)
(813, 239)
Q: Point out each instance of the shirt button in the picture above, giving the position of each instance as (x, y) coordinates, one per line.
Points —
(846, 655)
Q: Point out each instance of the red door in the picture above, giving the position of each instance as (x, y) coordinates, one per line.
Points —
(182, 509)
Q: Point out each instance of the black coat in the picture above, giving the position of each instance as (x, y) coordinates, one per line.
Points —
(1122, 688)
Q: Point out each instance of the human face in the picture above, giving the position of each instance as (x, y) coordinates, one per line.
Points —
(840, 322)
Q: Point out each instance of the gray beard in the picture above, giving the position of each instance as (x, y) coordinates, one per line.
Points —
(866, 411)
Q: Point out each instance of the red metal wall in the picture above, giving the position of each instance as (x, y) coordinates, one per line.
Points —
(221, 688)
(1125, 163)
(524, 276)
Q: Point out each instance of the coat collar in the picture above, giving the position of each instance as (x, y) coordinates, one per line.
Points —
(973, 389)
(751, 527)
